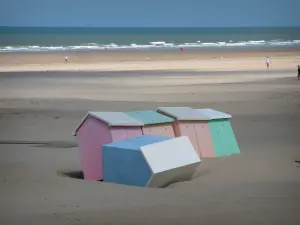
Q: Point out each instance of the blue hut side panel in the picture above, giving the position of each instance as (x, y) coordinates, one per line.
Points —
(123, 162)
(125, 166)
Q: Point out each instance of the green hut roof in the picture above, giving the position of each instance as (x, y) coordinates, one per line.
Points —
(149, 117)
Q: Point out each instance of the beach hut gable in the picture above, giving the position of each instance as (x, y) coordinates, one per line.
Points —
(97, 129)
(111, 119)
(92, 134)
(182, 113)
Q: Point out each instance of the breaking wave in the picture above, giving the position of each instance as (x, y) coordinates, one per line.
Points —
(151, 45)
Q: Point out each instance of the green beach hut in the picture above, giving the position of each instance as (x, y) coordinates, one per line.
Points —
(222, 134)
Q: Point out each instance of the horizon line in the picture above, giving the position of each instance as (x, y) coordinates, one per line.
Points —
(130, 27)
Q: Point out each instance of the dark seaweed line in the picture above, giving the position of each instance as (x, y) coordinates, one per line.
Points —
(58, 144)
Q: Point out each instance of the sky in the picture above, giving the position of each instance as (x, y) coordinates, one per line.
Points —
(150, 13)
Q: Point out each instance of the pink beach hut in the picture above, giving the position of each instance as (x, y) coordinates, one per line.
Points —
(191, 123)
(97, 129)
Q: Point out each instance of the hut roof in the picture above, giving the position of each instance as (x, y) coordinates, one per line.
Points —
(150, 117)
(214, 114)
(183, 113)
(111, 118)
(178, 150)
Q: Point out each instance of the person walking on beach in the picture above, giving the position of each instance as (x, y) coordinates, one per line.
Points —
(268, 62)
(298, 72)
(66, 59)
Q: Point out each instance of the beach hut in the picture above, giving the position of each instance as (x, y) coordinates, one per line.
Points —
(191, 123)
(98, 128)
(155, 123)
(149, 161)
(222, 134)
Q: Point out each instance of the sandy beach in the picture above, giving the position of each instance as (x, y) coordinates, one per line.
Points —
(42, 99)
(192, 60)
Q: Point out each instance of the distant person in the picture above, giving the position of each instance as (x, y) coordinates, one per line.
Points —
(66, 59)
(298, 72)
(181, 49)
(268, 62)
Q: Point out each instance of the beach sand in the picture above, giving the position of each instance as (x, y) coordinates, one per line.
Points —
(39, 156)
(192, 60)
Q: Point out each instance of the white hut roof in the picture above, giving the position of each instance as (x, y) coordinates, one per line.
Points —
(112, 119)
(179, 149)
(183, 113)
(170, 160)
(214, 114)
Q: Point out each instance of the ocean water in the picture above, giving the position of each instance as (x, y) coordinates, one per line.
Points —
(20, 39)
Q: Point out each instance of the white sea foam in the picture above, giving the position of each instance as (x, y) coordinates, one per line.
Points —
(153, 45)
(161, 43)
(257, 42)
(209, 44)
(236, 44)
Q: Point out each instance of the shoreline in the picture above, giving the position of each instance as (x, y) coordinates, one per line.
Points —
(168, 45)
(162, 49)
(283, 48)
(189, 60)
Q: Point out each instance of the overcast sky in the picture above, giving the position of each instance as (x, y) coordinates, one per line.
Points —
(150, 13)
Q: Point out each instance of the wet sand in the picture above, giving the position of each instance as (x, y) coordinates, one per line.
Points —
(39, 110)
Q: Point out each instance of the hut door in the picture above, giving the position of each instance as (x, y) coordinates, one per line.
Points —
(216, 135)
(221, 133)
(188, 129)
(204, 139)
(228, 138)
(225, 138)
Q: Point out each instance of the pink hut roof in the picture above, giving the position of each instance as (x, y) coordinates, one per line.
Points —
(112, 119)
(183, 113)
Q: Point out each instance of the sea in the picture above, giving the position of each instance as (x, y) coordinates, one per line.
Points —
(48, 39)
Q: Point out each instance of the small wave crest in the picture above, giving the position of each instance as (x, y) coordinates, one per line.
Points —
(151, 45)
